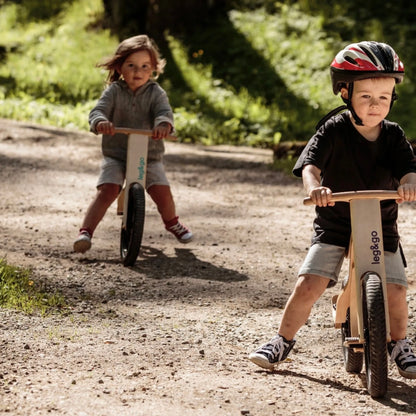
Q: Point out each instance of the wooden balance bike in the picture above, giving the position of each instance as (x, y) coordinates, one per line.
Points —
(131, 201)
(361, 309)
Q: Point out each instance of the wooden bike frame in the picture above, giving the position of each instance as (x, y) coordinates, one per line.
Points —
(136, 165)
(366, 254)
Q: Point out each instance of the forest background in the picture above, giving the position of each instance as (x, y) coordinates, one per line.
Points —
(250, 72)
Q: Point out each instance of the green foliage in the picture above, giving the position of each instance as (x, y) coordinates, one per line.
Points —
(24, 107)
(255, 76)
(299, 52)
(220, 114)
(19, 291)
(265, 87)
(219, 106)
(39, 9)
(55, 60)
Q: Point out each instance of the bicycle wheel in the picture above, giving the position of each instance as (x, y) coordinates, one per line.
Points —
(375, 350)
(353, 361)
(131, 234)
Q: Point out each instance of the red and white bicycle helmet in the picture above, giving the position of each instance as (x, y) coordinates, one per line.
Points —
(364, 60)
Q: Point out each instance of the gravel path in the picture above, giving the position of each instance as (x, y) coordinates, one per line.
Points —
(171, 335)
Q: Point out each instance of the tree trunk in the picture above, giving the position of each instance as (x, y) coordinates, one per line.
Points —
(153, 17)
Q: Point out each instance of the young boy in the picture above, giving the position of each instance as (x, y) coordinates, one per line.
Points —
(355, 150)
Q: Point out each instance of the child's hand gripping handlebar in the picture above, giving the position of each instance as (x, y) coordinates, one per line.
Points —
(348, 196)
(126, 130)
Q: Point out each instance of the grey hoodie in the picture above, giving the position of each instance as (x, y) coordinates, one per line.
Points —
(143, 109)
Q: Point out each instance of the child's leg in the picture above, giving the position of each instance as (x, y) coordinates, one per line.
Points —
(322, 265)
(162, 197)
(396, 295)
(307, 291)
(400, 348)
(105, 196)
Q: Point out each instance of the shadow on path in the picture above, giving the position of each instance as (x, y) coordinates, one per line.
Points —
(155, 264)
(397, 390)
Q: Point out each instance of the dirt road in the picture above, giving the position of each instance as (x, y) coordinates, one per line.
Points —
(171, 335)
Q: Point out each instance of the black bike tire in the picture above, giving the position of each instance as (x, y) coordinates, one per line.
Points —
(375, 348)
(132, 233)
(353, 361)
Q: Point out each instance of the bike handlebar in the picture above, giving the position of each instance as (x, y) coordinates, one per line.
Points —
(348, 196)
(126, 130)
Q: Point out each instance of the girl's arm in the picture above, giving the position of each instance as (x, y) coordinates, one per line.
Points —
(320, 195)
(102, 111)
(105, 127)
(162, 114)
(162, 130)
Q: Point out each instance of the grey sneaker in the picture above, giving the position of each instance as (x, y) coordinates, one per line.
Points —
(182, 233)
(83, 242)
(270, 354)
(401, 352)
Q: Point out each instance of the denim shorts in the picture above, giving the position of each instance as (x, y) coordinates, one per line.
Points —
(114, 171)
(326, 260)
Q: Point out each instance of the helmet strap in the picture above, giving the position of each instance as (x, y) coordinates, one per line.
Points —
(394, 97)
(349, 107)
(347, 101)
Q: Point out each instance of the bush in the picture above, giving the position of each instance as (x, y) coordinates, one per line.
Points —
(268, 82)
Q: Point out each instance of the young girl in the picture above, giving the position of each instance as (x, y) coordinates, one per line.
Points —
(132, 99)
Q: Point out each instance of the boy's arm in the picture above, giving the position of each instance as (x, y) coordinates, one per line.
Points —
(407, 188)
(320, 195)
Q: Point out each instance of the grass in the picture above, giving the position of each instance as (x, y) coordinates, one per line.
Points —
(18, 290)
(216, 104)
(62, 52)
(252, 78)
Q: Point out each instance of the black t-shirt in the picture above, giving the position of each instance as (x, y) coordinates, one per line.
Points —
(349, 162)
